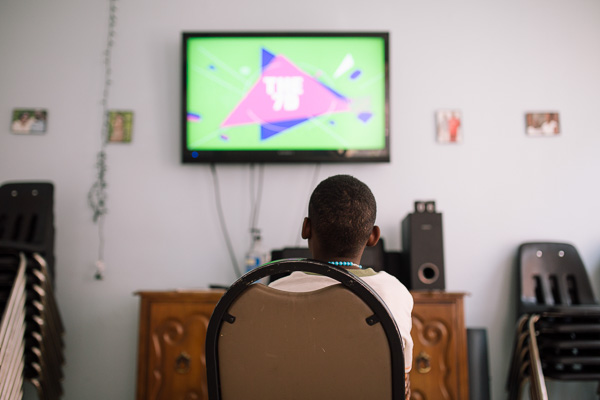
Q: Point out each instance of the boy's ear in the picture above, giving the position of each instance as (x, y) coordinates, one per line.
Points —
(306, 230)
(374, 237)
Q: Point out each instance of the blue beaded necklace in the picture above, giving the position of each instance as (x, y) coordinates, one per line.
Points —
(344, 264)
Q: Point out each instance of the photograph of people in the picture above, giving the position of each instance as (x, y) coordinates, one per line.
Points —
(26, 121)
(449, 126)
(542, 124)
(22, 121)
(39, 121)
(119, 126)
(550, 124)
(533, 126)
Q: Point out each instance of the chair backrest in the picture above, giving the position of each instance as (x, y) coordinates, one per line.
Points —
(552, 274)
(26, 214)
(27, 218)
(337, 342)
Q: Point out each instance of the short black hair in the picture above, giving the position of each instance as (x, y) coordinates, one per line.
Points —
(342, 213)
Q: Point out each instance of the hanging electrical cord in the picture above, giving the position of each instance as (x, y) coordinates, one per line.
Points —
(252, 180)
(97, 194)
(255, 255)
(252, 196)
(256, 195)
(217, 191)
(310, 189)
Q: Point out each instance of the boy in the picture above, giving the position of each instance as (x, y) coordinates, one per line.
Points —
(340, 224)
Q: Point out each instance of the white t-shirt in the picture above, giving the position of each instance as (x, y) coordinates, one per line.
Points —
(394, 294)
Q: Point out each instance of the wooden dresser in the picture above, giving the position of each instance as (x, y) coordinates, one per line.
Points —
(171, 344)
(440, 364)
(173, 330)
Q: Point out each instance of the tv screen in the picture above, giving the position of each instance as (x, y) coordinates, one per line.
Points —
(285, 97)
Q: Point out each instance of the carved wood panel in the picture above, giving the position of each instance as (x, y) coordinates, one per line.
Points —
(171, 362)
(439, 370)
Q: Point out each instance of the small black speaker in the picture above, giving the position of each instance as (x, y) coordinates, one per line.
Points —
(423, 249)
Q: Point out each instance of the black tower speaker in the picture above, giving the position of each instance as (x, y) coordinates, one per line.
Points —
(423, 249)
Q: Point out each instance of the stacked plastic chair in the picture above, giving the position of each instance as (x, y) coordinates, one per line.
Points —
(558, 332)
(31, 330)
(12, 327)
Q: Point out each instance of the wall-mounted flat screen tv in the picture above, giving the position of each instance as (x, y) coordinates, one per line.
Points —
(285, 97)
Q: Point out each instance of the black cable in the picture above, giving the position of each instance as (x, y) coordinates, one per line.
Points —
(217, 191)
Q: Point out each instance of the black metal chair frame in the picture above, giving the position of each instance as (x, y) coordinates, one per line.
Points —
(351, 282)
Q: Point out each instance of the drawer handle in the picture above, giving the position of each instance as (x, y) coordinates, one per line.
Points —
(423, 362)
(182, 363)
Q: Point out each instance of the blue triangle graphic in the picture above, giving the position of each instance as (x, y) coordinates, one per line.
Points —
(273, 128)
(267, 57)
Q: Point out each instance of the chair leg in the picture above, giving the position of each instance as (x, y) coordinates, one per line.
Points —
(514, 380)
(538, 384)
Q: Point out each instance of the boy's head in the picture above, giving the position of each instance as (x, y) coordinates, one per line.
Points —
(341, 218)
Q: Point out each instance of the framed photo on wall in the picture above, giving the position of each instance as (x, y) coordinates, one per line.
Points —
(28, 120)
(542, 124)
(120, 126)
(449, 126)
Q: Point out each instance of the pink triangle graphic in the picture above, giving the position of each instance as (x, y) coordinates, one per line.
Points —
(260, 107)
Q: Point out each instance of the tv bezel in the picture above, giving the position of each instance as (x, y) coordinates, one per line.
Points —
(283, 156)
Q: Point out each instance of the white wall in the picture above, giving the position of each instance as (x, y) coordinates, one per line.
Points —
(492, 60)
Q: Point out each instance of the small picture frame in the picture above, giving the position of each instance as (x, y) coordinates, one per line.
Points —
(449, 126)
(542, 123)
(120, 126)
(29, 120)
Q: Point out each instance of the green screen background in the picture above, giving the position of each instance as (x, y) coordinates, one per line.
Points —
(213, 92)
